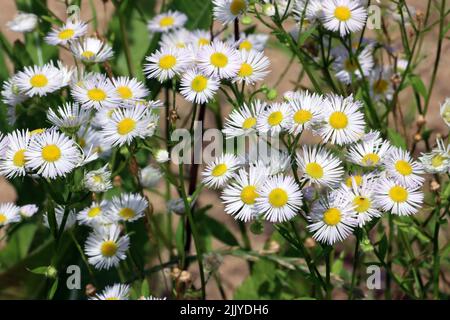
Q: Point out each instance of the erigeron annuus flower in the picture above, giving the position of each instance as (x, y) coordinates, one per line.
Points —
(130, 89)
(242, 121)
(128, 207)
(220, 171)
(275, 118)
(105, 248)
(95, 214)
(253, 67)
(306, 111)
(253, 41)
(347, 67)
(65, 34)
(161, 156)
(23, 22)
(52, 154)
(200, 38)
(343, 16)
(401, 167)
(9, 213)
(438, 160)
(219, 59)
(344, 123)
(98, 180)
(39, 81)
(11, 95)
(177, 39)
(197, 87)
(95, 92)
(3, 145)
(240, 196)
(445, 111)
(370, 151)
(165, 63)
(13, 163)
(68, 117)
(150, 176)
(311, 10)
(226, 11)
(279, 199)
(92, 50)
(167, 21)
(318, 166)
(394, 197)
(116, 292)
(60, 212)
(332, 219)
(381, 86)
(28, 210)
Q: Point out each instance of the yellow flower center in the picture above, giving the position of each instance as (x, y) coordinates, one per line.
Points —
(362, 204)
(302, 116)
(249, 123)
(166, 21)
(93, 212)
(332, 216)
(403, 167)
(338, 120)
(96, 94)
(370, 159)
(167, 62)
(127, 213)
(3, 218)
(358, 180)
(98, 179)
(219, 170)
(342, 13)
(125, 126)
(246, 70)
(398, 194)
(278, 198)
(314, 170)
(437, 160)
(66, 34)
(380, 86)
(199, 83)
(350, 65)
(237, 7)
(249, 195)
(275, 118)
(245, 45)
(125, 92)
(88, 54)
(203, 42)
(38, 81)
(51, 153)
(19, 158)
(219, 60)
(108, 248)
(112, 298)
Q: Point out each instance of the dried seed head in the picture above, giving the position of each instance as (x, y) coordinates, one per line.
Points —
(434, 185)
(310, 242)
(420, 120)
(417, 137)
(396, 79)
(90, 290)
(185, 276)
(117, 181)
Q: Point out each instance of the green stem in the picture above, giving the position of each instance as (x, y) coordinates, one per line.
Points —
(126, 43)
(436, 257)
(355, 264)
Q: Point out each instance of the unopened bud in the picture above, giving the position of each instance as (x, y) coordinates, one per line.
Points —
(185, 276)
(420, 120)
(417, 137)
(117, 181)
(246, 20)
(90, 290)
(51, 272)
(310, 242)
(271, 94)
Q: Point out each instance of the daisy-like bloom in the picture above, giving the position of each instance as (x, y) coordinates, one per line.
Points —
(52, 154)
(66, 33)
(13, 164)
(96, 92)
(68, 73)
(128, 207)
(95, 214)
(115, 292)
(90, 139)
(226, 11)
(254, 67)
(9, 213)
(200, 38)
(445, 111)
(275, 164)
(279, 199)
(319, 166)
(98, 180)
(306, 111)
(254, 41)
(28, 210)
(312, 10)
(105, 247)
(161, 156)
(178, 39)
(150, 176)
(69, 117)
(332, 219)
(23, 22)
(344, 123)
(198, 88)
(59, 216)
(242, 121)
(276, 118)
(38, 81)
(397, 198)
(380, 84)
(11, 94)
(3, 145)
(347, 67)
(438, 160)
(92, 50)
(152, 298)
(370, 152)
(219, 59)
(220, 171)
(240, 196)
(165, 64)
(167, 21)
(130, 89)
(343, 16)
(400, 165)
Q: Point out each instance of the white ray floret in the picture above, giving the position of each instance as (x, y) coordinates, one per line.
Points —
(220, 171)
(167, 21)
(92, 50)
(254, 67)
(198, 88)
(371, 151)
(39, 81)
(242, 121)
(343, 16)
(130, 89)
(9, 213)
(96, 92)
(13, 163)
(95, 214)
(116, 292)
(219, 59)
(68, 117)
(226, 11)
(275, 118)
(65, 34)
(402, 168)
(306, 111)
(166, 63)
(128, 207)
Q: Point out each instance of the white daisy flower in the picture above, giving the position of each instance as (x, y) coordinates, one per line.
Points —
(370, 152)
(65, 34)
(400, 165)
(279, 199)
(96, 92)
(52, 154)
(115, 292)
(240, 196)
(150, 176)
(130, 89)
(318, 166)
(306, 111)
(275, 118)
(312, 10)
(438, 160)
(28, 210)
(13, 164)
(226, 11)
(343, 16)
(68, 73)
(398, 199)
(332, 219)
(219, 59)
(161, 156)
(92, 50)
(69, 117)
(165, 64)
(9, 213)
(347, 67)
(98, 180)
(380, 84)
(445, 111)
(167, 21)
(198, 88)
(242, 121)
(128, 207)
(11, 95)
(96, 214)
(23, 22)
(274, 164)
(3, 145)
(105, 248)
(178, 39)
(90, 139)
(59, 216)
(200, 38)
(249, 42)
(220, 171)
(253, 67)
(344, 123)
(39, 81)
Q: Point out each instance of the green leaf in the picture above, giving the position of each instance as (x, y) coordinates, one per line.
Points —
(305, 35)
(418, 85)
(199, 12)
(39, 270)
(383, 246)
(53, 289)
(219, 231)
(396, 138)
(145, 290)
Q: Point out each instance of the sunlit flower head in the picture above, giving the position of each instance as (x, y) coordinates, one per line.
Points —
(438, 160)
(9, 213)
(219, 59)
(128, 207)
(343, 16)
(275, 118)
(13, 161)
(394, 197)
(306, 111)
(402, 168)
(23, 22)
(253, 41)
(167, 21)
(130, 89)
(253, 67)
(39, 81)
(371, 151)
(165, 64)
(220, 171)
(226, 11)
(96, 92)
(115, 292)
(242, 121)
(92, 50)
(69, 117)
(66, 33)
(95, 214)
(98, 180)
(197, 87)
(11, 95)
